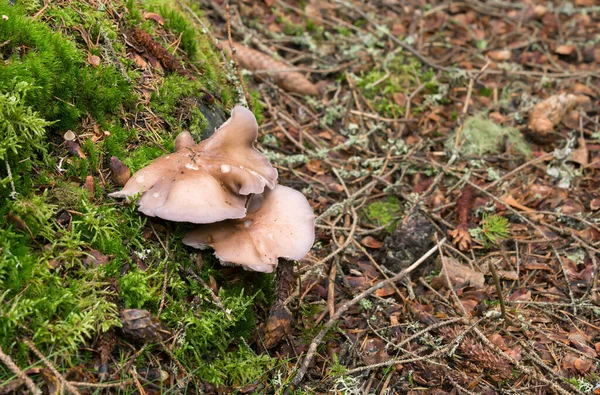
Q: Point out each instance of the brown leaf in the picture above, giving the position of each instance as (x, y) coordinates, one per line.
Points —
(139, 61)
(278, 325)
(155, 17)
(141, 326)
(120, 171)
(500, 56)
(315, 166)
(399, 98)
(385, 291)
(75, 150)
(565, 49)
(95, 259)
(581, 89)
(371, 242)
(522, 295)
(461, 275)
(583, 365)
(511, 201)
(548, 113)
(581, 154)
(263, 65)
(313, 12)
(93, 60)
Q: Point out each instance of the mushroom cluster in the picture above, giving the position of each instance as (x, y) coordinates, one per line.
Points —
(230, 190)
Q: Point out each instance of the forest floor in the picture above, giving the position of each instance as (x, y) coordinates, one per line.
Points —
(449, 151)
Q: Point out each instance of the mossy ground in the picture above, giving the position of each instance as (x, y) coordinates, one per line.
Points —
(51, 292)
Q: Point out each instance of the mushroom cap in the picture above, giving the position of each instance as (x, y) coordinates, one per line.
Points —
(184, 140)
(283, 227)
(207, 182)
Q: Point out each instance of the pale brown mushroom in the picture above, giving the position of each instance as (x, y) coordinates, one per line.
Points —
(283, 227)
(207, 182)
(184, 140)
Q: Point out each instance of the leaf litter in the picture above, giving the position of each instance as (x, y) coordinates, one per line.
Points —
(398, 80)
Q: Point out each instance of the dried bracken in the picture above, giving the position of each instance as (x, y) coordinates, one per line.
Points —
(264, 65)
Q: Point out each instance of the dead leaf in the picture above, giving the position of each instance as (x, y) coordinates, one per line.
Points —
(95, 259)
(315, 166)
(265, 66)
(278, 325)
(93, 60)
(500, 56)
(155, 17)
(139, 61)
(522, 295)
(511, 201)
(399, 98)
(581, 89)
(75, 150)
(565, 49)
(460, 275)
(581, 154)
(548, 113)
(313, 12)
(371, 242)
(461, 237)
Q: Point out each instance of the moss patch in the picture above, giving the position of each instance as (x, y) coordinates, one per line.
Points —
(71, 259)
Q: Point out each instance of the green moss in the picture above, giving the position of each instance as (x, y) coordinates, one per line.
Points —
(22, 133)
(399, 76)
(481, 136)
(385, 213)
(50, 292)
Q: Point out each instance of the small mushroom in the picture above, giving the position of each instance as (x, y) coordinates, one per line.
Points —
(283, 227)
(207, 182)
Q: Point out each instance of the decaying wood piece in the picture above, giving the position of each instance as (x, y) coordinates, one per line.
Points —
(284, 77)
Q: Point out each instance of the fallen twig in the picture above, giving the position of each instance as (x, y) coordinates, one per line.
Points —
(7, 360)
(343, 308)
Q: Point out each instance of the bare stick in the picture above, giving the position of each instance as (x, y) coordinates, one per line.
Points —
(507, 321)
(70, 388)
(7, 360)
(333, 319)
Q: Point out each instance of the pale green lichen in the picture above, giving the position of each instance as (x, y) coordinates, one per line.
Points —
(481, 136)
